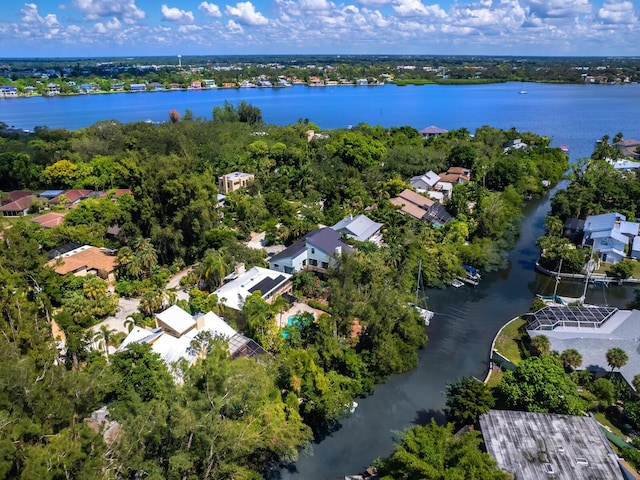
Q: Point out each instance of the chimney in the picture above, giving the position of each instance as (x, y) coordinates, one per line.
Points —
(240, 269)
(350, 216)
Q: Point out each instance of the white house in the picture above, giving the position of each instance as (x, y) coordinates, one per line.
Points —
(360, 228)
(175, 331)
(426, 182)
(314, 250)
(610, 235)
(269, 282)
(292, 259)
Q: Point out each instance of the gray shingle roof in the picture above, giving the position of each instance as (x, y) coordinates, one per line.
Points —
(360, 228)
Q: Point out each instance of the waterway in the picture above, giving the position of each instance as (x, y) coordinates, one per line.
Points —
(467, 318)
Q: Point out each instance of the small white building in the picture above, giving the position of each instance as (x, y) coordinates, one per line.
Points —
(269, 282)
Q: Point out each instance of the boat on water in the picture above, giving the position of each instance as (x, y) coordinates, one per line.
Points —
(564, 148)
(522, 92)
(424, 313)
(456, 283)
(472, 275)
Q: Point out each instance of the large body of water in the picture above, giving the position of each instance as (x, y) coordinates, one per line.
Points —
(572, 115)
(467, 318)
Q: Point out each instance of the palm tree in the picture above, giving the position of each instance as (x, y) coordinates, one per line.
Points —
(124, 258)
(617, 358)
(94, 287)
(571, 358)
(151, 301)
(104, 336)
(636, 383)
(540, 344)
(212, 269)
(145, 255)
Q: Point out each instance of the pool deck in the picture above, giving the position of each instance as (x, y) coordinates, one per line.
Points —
(297, 307)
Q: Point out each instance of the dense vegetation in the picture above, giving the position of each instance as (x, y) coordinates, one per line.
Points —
(228, 419)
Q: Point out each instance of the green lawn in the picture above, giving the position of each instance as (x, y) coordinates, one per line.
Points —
(510, 340)
(604, 268)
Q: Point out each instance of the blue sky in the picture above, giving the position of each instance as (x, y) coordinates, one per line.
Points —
(218, 27)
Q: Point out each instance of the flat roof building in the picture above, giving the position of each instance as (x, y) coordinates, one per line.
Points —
(539, 446)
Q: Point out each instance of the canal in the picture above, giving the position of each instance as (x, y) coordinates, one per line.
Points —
(460, 337)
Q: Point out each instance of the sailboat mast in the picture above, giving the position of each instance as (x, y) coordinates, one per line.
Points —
(418, 280)
(555, 290)
(588, 267)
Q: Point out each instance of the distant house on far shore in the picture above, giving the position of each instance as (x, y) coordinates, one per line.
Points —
(432, 131)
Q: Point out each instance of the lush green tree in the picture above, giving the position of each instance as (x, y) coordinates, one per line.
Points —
(623, 269)
(604, 390)
(105, 336)
(540, 384)
(433, 452)
(540, 345)
(467, 399)
(571, 358)
(617, 358)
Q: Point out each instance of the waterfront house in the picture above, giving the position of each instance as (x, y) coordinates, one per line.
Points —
(516, 144)
(234, 181)
(629, 148)
(137, 87)
(269, 282)
(609, 234)
(195, 85)
(8, 91)
(117, 87)
(209, 84)
(52, 90)
(592, 331)
(362, 82)
(360, 228)
(315, 251)
(432, 131)
(535, 446)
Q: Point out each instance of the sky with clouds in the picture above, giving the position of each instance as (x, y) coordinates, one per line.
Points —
(45, 28)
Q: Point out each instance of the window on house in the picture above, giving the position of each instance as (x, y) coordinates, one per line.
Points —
(313, 250)
(325, 265)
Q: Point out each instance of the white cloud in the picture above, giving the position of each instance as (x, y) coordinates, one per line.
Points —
(127, 10)
(30, 15)
(114, 24)
(617, 12)
(234, 27)
(373, 3)
(246, 14)
(175, 15)
(558, 8)
(406, 8)
(210, 9)
(315, 5)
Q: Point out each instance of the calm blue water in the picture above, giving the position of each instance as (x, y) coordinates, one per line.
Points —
(574, 115)
(467, 319)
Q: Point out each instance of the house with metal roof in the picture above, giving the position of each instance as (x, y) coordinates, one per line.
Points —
(270, 283)
(314, 251)
(610, 235)
(539, 446)
(421, 207)
(360, 228)
(426, 182)
(592, 331)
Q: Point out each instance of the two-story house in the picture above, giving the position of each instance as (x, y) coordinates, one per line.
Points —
(314, 251)
(610, 235)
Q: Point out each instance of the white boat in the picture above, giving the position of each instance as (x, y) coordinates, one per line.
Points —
(426, 314)
(456, 283)
(522, 92)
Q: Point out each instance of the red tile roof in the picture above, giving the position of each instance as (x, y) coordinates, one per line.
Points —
(17, 206)
(72, 195)
(49, 220)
